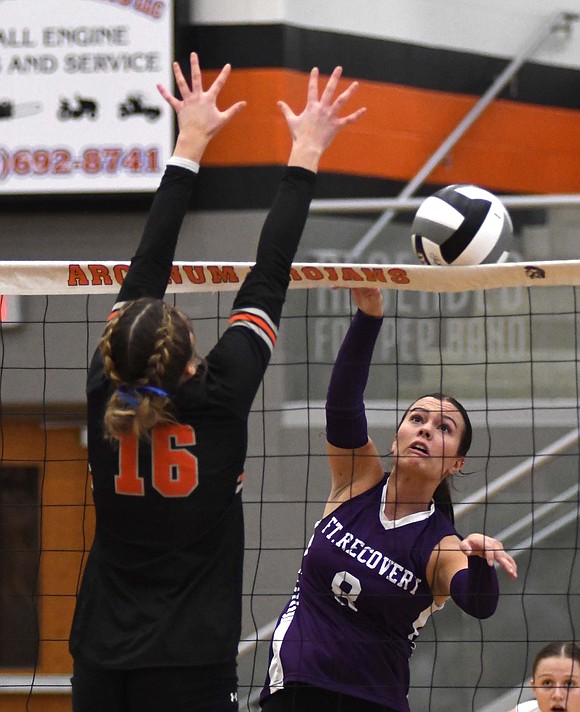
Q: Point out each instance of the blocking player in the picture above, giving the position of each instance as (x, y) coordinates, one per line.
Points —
(157, 621)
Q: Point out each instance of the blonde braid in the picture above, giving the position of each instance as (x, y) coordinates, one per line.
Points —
(107, 350)
(161, 354)
(143, 410)
(119, 418)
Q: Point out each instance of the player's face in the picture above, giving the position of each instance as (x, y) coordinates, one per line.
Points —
(429, 437)
(556, 685)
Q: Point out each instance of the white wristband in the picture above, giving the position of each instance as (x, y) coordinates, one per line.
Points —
(184, 163)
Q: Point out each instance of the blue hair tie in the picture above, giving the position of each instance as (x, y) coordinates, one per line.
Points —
(128, 394)
(152, 390)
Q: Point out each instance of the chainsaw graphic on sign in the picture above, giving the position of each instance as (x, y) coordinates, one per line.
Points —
(10, 110)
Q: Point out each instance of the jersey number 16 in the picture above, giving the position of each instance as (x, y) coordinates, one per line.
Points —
(173, 468)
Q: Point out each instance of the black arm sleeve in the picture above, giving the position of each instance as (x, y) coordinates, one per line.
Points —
(267, 283)
(150, 268)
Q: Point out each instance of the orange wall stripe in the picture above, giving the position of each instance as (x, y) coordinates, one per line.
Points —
(512, 147)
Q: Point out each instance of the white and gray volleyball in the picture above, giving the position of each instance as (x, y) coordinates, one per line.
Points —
(462, 225)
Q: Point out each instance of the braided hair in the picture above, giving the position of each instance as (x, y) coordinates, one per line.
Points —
(145, 348)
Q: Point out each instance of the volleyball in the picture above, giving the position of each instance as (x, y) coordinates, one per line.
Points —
(462, 225)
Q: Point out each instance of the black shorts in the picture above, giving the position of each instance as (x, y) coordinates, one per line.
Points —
(305, 698)
(212, 688)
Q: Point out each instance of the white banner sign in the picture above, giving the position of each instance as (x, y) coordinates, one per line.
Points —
(79, 108)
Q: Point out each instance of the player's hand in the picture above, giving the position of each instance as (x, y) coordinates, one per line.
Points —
(198, 116)
(314, 129)
(369, 300)
(491, 550)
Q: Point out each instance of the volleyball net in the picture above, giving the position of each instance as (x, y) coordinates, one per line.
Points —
(503, 339)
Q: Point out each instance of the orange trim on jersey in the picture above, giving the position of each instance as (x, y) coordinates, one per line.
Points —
(240, 483)
(261, 323)
(512, 147)
(116, 309)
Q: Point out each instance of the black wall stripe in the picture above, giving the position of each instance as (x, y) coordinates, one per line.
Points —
(242, 188)
(254, 187)
(249, 46)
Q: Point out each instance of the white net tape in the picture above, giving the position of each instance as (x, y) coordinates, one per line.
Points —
(60, 277)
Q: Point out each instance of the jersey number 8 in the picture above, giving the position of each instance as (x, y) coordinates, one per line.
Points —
(346, 589)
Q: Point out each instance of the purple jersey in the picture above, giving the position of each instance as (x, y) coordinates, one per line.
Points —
(359, 602)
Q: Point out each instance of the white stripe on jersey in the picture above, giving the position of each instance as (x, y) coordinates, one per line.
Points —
(256, 330)
(240, 483)
(268, 332)
(422, 618)
(257, 312)
(276, 669)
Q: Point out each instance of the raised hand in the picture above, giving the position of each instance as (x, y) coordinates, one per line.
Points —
(369, 300)
(489, 549)
(314, 129)
(198, 116)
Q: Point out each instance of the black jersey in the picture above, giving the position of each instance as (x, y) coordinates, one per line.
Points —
(163, 581)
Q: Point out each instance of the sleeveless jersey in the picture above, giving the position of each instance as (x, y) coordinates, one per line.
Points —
(359, 602)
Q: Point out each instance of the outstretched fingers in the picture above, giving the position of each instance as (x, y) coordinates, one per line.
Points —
(169, 98)
(184, 89)
(312, 91)
(343, 99)
(287, 112)
(331, 86)
(198, 116)
(195, 91)
(314, 129)
(229, 114)
(336, 105)
(506, 562)
(196, 82)
(219, 81)
(491, 550)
